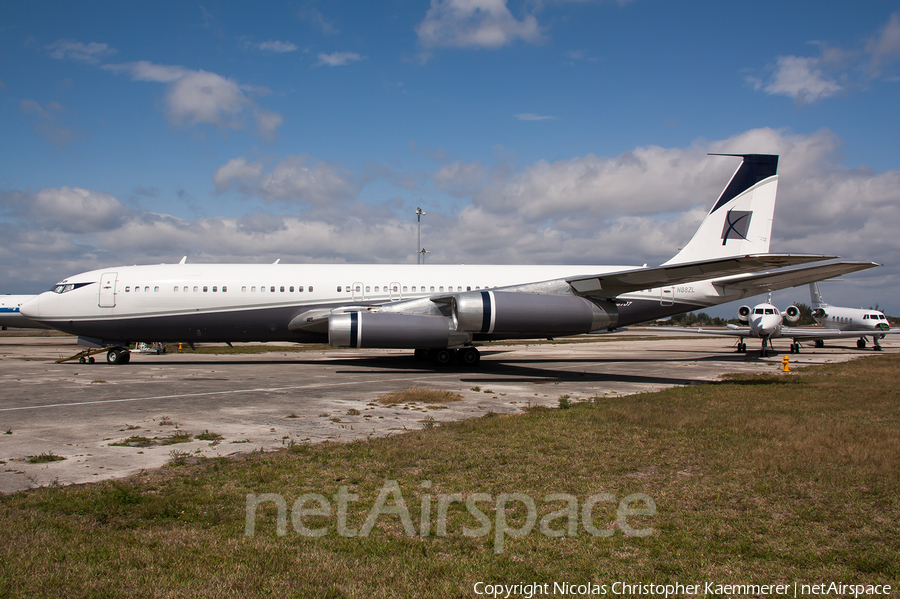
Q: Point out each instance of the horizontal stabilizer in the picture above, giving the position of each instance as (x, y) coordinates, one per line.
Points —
(611, 285)
(765, 282)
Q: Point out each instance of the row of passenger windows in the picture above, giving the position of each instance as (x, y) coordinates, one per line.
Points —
(396, 288)
(301, 288)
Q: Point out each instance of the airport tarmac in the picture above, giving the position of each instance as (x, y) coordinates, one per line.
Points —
(270, 400)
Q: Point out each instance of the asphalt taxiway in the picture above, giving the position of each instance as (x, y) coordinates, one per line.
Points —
(84, 412)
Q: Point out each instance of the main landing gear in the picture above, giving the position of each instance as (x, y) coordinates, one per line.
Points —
(118, 355)
(861, 343)
(466, 356)
(795, 348)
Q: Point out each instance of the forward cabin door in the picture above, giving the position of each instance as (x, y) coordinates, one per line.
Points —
(108, 290)
(666, 296)
(396, 294)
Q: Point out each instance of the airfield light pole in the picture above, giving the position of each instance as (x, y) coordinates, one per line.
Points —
(420, 254)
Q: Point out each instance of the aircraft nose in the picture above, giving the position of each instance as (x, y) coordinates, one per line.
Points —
(31, 308)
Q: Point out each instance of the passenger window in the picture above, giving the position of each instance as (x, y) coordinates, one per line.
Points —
(205, 289)
(127, 289)
(404, 289)
(147, 289)
(272, 289)
(253, 289)
(468, 288)
(176, 289)
(367, 289)
(441, 288)
(432, 287)
(215, 288)
(376, 288)
(244, 288)
(291, 289)
(358, 288)
(310, 288)
(282, 289)
(395, 289)
(300, 289)
(156, 289)
(413, 288)
(185, 289)
(196, 289)
(224, 288)
(339, 288)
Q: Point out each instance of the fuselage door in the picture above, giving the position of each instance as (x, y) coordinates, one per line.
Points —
(108, 290)
(396, 294)
(666, 296)
(358, 293)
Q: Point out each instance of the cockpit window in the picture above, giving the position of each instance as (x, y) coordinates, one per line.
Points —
(66, 287)
(770, 310)
(759, 311)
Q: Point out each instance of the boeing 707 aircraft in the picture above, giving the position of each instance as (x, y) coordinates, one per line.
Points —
(439, 310)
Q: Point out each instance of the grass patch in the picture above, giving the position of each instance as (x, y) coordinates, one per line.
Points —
(44, 458)
(208, 436)
(419, 395)
(134, 441)
(178, 437)
(762, 480)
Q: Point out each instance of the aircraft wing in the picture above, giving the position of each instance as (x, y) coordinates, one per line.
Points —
(799, 334)
(610, 285)
(764, 282)
(731, 331)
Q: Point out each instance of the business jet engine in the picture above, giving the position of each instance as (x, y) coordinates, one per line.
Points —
(744, 314)
(792, 314)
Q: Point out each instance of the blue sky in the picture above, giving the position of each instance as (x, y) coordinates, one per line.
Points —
(530, 132)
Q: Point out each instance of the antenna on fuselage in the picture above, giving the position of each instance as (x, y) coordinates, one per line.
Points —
(183, 260)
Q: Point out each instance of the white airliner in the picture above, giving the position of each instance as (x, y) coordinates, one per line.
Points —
(872, 322)
(435, 309)
(10, 315)
(766, 322)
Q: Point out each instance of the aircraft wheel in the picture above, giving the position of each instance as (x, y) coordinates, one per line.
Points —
(118, 355)
(877, 348)
(442, 357)
(126, 358)
(861, 343)
(820, 343)
(469, 356)
(91, 360)
(798, 347)
(81, 360)
(421, 354)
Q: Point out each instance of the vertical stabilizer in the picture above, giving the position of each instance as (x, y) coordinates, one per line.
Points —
(740, 221)
(815, 298)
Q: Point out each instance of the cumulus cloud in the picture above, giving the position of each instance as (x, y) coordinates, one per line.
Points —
(338, 59)
(474, 24)
(809, 79)
(66, 209)
(91, 53)
(277, 46)
(298, 179)
(45, 122)
(196, 96)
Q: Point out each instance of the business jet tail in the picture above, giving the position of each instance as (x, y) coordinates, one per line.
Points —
(740, 222)
(815, 297)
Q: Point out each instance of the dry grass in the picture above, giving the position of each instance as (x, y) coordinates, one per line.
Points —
(418, 394)
(756, 480)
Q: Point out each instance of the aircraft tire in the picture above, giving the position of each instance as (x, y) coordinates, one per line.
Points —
(82, 360)
(861, 343)
(421, 354)
(118, 355)
(91, 360)
(469, 356)
(443, 357)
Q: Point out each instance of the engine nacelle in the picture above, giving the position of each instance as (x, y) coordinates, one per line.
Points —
(744, 314)
(504, 312)
(393, 331)
(792, 314)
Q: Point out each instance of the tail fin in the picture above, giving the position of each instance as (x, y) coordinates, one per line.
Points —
(815, 298)
(740, 222)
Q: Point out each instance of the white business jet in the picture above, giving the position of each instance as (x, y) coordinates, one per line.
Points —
(438, 310)
(872, 322)
(766, 322)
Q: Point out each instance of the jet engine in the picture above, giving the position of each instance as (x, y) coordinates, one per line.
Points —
(744, 314)
(395, 331)
(504, 312)
(792, 314)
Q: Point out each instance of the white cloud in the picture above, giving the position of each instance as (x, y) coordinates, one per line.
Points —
(45, 122)
(73, 50)
(809, 79)
(885, 47)
(66, 209)
(338, 59)
(295, 180)
(530, 116)
(801, 78)
(474, 24)
(196, 96)
(277, 47)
